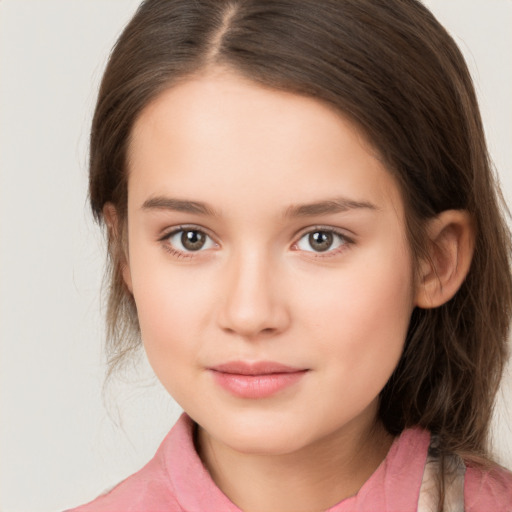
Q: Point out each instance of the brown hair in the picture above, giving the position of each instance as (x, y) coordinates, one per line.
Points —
(395, 71)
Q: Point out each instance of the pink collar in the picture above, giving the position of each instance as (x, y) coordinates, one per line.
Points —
(394, 485)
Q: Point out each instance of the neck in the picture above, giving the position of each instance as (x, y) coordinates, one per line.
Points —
(313, 478)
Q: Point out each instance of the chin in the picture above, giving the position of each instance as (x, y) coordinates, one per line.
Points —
(278, 442)
(262, 433)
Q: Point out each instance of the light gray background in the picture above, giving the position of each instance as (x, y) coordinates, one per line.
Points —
(58, 444)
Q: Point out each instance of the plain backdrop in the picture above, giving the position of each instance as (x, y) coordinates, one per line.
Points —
(60, 445)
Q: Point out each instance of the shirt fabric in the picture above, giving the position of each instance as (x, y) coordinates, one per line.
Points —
(175, 480)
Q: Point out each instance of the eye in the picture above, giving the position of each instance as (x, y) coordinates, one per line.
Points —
(189, 240)
(321, 240)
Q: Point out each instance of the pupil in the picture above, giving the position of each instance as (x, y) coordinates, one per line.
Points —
(320, 240)
(192, 240)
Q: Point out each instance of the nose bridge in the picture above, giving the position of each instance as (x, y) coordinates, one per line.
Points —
(252, 301)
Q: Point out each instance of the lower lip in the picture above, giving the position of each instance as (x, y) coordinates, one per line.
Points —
(257, 386)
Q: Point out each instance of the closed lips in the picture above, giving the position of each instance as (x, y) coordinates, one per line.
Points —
(256, 380)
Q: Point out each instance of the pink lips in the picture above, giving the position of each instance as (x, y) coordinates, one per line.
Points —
(255, 380)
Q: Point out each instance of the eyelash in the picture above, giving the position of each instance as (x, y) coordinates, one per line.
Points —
(345, 241)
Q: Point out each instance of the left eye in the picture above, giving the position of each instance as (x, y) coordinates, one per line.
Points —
(321, 241)
(190, 240)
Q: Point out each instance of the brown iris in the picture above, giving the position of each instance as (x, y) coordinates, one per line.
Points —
(193, 240)
(320, 240)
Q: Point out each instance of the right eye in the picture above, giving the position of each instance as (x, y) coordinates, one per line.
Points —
(189, 240)
(322, 240)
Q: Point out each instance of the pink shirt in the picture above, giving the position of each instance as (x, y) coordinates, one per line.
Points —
(176, 480)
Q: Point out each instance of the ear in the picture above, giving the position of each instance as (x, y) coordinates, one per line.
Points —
(451, 244)
(116, 242)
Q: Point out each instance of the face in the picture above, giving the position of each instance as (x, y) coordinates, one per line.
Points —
(268, 261)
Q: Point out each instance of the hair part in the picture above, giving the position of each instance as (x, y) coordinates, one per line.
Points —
(390, 67)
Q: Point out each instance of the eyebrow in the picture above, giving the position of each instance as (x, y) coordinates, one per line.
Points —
(336, 205)
(178, 205)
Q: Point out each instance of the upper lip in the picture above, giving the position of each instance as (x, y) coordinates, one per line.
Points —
(254, 368)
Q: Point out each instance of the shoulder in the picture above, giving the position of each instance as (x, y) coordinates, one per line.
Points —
(147, 489)
(150, 488)
(173, 481)
(487, 489)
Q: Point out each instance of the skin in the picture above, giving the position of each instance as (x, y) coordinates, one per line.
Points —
(259, 291)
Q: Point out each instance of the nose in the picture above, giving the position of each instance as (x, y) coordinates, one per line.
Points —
(253, 301)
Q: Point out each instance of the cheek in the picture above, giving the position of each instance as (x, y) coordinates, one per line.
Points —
(172, 304)
(169, 308)
(364, 317)
(167, 326)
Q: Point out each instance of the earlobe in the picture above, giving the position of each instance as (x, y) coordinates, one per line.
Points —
(451, 243)
(116, 243)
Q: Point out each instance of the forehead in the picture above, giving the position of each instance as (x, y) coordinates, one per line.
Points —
(221, 135)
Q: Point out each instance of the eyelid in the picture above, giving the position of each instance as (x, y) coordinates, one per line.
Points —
(345, 233)
(167, 232)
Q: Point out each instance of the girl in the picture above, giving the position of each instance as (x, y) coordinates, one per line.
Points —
(305, 235)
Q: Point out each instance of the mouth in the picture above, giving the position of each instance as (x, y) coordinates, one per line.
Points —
(261, 379)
